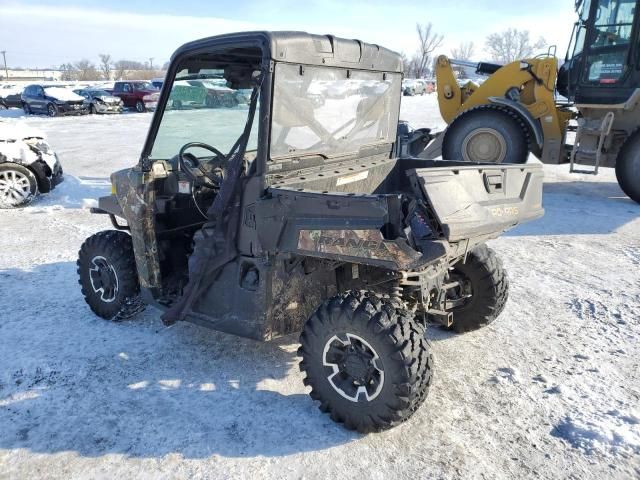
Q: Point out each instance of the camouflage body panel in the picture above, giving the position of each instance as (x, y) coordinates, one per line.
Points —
(358, 245)
(135, 191)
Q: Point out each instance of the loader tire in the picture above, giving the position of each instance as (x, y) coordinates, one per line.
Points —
(628, 167)
(366, 360)
(487, 287)
(486, 134)
(108, 275)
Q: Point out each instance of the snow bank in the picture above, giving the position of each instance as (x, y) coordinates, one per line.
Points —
(63, 94)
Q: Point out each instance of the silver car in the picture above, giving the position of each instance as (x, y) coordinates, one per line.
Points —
(100, 101)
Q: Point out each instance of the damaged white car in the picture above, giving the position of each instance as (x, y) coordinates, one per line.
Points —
(28, 165)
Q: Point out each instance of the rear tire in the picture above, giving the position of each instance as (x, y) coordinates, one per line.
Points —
(366, 361)
(26, 108)
(486, 281)
(18, 185)
(486, 134)
(628, 167)
(108, 275)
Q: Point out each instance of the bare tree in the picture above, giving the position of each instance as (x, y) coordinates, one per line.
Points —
(86, 70)
(405, 62)
(105, 65)
(429, 41)
(464, 51)
(123, 68)
(68, 72)
(512, 45)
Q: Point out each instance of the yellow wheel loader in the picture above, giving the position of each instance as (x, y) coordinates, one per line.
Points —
(518, 110)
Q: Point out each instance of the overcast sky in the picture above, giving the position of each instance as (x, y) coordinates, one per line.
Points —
(39, 34)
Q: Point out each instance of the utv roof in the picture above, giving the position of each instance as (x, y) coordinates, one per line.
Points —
(305, 48)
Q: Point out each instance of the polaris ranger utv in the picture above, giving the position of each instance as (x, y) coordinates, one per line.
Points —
(292, 212)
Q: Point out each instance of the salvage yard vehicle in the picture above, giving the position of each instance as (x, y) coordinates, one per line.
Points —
(412, 86)
(132, 93)
(28, 165)
(10, 96)
(100, 101)
(52, 101)
(292, 214)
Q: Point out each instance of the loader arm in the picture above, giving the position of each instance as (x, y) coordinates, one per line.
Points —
(530, 83)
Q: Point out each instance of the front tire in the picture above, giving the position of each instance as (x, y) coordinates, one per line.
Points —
(52, 110)
(18, 186)
(483, 290)
(108, 275)
(140, 106)
(26, 108)
(628, 167)
(366, 360)
(486, 134)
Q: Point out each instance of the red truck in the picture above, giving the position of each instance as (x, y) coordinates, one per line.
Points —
(132, 93)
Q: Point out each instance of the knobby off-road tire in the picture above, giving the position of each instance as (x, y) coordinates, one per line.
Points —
(628, 167)
(367, 361)
(486, 134)
(18, 185)
(488, 284)
(108, 275)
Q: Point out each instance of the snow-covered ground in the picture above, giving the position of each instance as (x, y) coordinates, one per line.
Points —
(550, 390)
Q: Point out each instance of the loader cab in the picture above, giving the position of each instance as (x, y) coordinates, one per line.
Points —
(602, 65)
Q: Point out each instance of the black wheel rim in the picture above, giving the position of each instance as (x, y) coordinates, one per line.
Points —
(104, 279)
(353, 367)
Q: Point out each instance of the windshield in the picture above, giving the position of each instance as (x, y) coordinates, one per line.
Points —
(583, 7)
(332, 111)
(610, 42)
(205, 106)
(143, 86)
(99, 93)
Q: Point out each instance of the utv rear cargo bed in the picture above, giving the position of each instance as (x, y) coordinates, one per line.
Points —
(473, 200)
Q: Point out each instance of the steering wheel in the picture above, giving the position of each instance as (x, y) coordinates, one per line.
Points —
(195, 163)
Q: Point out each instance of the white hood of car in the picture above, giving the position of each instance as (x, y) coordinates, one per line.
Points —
(18, 131)
(62, 94)
(5, 92)
(17, 143)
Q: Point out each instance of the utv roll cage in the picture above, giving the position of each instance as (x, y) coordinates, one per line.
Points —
(266, 49)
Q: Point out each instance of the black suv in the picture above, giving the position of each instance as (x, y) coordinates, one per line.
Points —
(52, 101)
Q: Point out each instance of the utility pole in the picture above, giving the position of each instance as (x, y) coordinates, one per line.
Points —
(6, 72)
(151, 63)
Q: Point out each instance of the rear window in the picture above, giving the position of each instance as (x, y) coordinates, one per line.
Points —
(332, 111)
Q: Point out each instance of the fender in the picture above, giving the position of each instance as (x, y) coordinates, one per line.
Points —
(519, 108)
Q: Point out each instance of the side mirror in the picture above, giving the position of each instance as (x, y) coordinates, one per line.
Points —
(524, 65)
